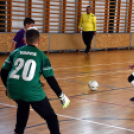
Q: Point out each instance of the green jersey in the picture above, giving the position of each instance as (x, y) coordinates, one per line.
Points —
(26, 65)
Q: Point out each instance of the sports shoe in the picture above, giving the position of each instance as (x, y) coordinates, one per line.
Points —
(87, 53)
(132, 99)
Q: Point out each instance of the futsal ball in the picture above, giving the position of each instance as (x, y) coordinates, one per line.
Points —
(93, 85)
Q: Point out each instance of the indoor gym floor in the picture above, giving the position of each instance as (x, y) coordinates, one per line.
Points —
(104, 111)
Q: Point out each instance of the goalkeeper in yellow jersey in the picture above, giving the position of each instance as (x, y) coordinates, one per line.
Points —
(88, 24)
(21, 73)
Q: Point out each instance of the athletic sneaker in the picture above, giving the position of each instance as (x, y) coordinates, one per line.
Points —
(132, 99)
(87, 53)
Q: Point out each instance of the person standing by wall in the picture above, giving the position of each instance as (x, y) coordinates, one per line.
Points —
(88, 24)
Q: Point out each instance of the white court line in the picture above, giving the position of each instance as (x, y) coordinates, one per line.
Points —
(98, 123)
(89, 75)
(92, 65)
(96, 74)
(85, 75)
(79, 119)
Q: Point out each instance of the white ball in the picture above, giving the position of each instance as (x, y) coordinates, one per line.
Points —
(93, 85)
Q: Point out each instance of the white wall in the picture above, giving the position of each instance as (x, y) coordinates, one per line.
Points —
(123, 16)
(100, 14)
(132, 22)
(39, 16)
(70, 19)
(15, 15)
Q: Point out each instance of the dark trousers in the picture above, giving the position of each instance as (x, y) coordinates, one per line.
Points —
(43, 108)
(87, 38)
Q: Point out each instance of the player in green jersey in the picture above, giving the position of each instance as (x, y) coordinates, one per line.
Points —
(21, 73)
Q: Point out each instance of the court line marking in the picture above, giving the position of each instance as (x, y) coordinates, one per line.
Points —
(98, 123)
(89, 75)
(92, 65)
(98, 71)
(90, 100)
(90, 72)
(131, 130)
(97, 74)
(4, 107)
(41, 124)
(79, 119)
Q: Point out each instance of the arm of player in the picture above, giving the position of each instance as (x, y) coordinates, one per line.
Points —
(13, 46)
(49, 76)
(6, 67)
(55, 87)
(15, 40)
(4, 75)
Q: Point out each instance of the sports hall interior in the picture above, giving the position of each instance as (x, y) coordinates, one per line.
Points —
(108, 110)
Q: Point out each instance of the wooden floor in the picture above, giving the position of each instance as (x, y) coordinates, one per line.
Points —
(105, 111)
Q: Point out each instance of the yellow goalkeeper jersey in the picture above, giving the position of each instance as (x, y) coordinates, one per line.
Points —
(88, 22)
